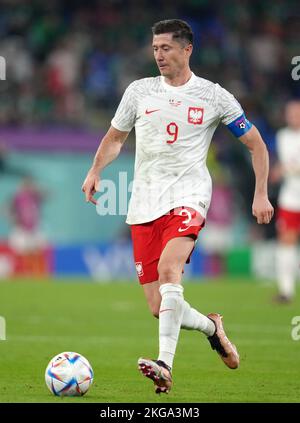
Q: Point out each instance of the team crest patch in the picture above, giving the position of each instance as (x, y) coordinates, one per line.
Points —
(139, 268)
(195, 115)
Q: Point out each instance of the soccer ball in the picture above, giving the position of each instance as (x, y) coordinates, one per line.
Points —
(69, 374)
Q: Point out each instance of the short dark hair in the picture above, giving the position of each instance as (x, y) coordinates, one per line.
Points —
(180, 29)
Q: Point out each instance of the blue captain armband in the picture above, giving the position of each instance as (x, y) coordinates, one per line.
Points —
(239, 126)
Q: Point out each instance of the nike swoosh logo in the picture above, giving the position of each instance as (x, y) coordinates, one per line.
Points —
(151, 111)
(166, 309)
(183, 229)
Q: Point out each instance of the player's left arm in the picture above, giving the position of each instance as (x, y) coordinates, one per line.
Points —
(232, 115)
(262, 209)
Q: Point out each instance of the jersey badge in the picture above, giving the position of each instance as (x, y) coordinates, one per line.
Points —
(195, 115)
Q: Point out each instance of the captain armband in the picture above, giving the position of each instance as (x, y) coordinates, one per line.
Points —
(240, 126)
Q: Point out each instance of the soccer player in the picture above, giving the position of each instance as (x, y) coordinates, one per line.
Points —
(25, 211)
(288, 213)
(175, 115)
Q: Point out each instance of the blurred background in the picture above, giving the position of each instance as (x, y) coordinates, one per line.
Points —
(67, 65)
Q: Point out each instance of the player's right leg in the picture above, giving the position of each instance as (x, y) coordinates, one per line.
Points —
(158, 371)
(171, 310)
(147, 249)
(170, 267)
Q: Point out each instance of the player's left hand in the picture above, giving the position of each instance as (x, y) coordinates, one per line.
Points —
(262, 209)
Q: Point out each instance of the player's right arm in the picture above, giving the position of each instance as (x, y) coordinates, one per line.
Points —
(108, 151)
(111, 144)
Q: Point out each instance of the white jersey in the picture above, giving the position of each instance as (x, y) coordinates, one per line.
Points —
(174, 127)
(288, 148)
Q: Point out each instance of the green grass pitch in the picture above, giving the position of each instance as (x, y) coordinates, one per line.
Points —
(111, 326)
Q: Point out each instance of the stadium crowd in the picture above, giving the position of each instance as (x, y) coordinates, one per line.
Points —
(67, 59)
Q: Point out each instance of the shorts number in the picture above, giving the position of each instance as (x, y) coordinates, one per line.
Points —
(188, 214)
(172, 130)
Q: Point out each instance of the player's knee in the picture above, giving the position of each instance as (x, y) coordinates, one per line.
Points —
(168, 272)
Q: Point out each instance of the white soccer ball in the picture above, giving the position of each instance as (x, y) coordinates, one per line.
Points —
(69, 374)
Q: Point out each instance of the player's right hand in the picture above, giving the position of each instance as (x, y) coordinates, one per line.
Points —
(90, 186)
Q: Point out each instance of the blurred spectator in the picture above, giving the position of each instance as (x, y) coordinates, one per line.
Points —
(288, 213)
(26, 239)
(26, 235)
(19, 60)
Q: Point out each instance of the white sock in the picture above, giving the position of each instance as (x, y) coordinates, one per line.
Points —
(192, 319)
(170, 317)
(286, 267)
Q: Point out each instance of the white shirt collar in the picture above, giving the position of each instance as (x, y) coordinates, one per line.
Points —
(179, 87)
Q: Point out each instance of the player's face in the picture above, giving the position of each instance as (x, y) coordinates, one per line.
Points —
(292, 114)
(171, 56)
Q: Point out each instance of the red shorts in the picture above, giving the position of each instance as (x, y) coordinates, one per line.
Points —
(149, 239)
(287, 220)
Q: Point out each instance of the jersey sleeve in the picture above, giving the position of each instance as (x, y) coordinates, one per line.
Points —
(231, 113)
(125, 116)
(228, 106)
